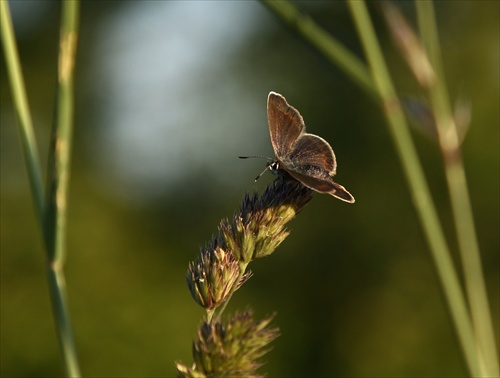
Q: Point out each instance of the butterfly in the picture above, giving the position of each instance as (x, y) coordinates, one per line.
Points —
(308, 158)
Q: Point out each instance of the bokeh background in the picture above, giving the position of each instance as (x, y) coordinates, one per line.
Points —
(168, 95)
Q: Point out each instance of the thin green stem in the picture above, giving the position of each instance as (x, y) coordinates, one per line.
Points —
(21, 107)
(51, 212)
(58, 182)
(210, 314)
(60, 152)
(460, 200)
(57, 289)
(46, 213)
(417, 183)
(324, 42)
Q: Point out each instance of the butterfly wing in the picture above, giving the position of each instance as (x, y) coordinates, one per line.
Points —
(312, 162)
(323, 185)
(306, 157)
(312, 150)
(285, 124)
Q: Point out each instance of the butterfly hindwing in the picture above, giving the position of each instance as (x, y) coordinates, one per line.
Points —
(323, 185)
(312, 150)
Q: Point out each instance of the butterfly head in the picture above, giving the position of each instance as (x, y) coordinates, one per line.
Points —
(274, 166)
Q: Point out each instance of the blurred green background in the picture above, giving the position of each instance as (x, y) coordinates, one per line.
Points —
(168, 95)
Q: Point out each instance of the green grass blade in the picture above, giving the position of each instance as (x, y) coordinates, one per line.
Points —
(58, 183)
(418, 185)
(21, 107)
(60, 152)
(449, 141)
(324, 42)
(51, 212)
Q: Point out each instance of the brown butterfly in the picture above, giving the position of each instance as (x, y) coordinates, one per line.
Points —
(308, 158)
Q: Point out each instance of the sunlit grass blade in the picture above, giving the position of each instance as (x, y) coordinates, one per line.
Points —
(58, 182)
(450, 141)
(21, 108)
(418, 185)
(50, 208)
(324, 42)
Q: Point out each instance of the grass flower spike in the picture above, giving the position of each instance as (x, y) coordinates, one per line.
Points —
(232, 348)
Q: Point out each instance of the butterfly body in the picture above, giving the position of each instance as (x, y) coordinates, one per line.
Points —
(308, 158)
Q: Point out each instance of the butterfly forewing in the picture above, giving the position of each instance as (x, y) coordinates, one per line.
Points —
(285, 124)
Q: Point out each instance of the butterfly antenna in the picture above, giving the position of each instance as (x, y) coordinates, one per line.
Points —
(269, 161)
(264, 171)
(256, 156)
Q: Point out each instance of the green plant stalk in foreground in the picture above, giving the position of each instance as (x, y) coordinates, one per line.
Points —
(418, 185)
(322, 40)
(51, 211)
(449, 142)
(382, 89)
(21, 108)
(421, 194)
(58, 183)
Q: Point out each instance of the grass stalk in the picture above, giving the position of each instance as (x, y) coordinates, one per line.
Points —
(21, 108)
(449, 142)
(418, 185)
(324, 42)
(60, 150)
(58, 175)
(50, 209)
